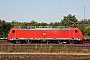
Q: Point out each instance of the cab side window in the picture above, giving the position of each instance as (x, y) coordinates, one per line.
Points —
(76, 31)
(13, 31)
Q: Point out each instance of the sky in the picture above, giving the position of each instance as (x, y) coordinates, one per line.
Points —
(43, 10)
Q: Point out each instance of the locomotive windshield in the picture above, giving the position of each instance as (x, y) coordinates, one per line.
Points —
(13, 31)
(76, 31)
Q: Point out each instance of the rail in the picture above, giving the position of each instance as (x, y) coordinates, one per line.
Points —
(3, 38)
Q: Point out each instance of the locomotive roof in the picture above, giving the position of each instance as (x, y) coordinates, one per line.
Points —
(49, 28)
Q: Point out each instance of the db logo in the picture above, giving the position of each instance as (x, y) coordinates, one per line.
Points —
(44, 33)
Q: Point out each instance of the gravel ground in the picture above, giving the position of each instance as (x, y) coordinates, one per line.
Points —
(43, 56)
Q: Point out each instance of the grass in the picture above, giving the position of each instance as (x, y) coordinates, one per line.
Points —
(10, 48)
(50, 48)
(36, 47)
(0, 56)
(1, 48)
(85, 51)
(64, 49)
(13, 56)
(57, 51)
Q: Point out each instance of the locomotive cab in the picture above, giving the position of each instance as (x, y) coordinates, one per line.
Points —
(12, 34)
(77, 35)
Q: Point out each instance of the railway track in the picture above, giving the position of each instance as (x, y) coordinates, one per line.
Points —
(45, 48)
(4, 41)
(41, 56)
(86, 42)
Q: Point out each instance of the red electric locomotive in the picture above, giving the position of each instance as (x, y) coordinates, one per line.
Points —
(60, 35)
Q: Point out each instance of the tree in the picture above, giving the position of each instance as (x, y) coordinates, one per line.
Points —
(51, 24)
(83, 29)
(56, 24)
(88, 21)
(43, 24)
(33, 23)
(69, 20)
(4, 28)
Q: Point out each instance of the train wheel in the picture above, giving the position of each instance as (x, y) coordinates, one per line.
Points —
(72, 42)
(18, 42)
(75, 42)
(81, 42)
(29, 42)
(59, 42)
(14, 42)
